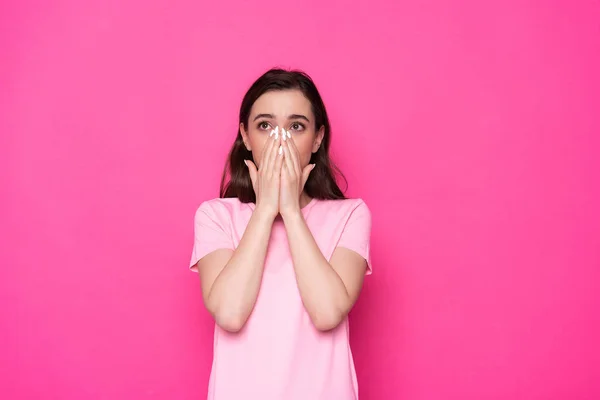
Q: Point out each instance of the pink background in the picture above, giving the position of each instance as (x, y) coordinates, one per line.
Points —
(470, 128)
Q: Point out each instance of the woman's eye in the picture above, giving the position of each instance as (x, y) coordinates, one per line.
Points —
(297, 126)
(263, 125)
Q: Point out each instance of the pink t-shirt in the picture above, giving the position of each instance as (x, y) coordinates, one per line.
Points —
(279, 354)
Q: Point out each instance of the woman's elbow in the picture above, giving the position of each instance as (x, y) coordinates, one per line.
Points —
(326, 321)
(230, 323)
(226, 319)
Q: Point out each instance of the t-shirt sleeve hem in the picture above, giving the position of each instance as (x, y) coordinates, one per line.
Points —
(357, 232)
(209, 235)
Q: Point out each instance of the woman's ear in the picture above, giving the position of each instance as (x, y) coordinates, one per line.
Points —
(318, 139)
(245, 136)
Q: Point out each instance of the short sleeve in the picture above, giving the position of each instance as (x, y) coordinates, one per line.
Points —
(209, 234)
(356, 235)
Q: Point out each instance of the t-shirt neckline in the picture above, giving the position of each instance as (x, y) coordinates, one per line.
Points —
(304, 209)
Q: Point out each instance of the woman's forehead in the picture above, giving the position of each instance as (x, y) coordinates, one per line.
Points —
(282, 103)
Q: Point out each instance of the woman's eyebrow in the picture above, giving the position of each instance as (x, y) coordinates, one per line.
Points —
(291, 116)
(298, 116)
(264, 116)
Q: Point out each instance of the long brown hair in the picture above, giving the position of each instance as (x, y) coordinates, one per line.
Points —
(321, 183)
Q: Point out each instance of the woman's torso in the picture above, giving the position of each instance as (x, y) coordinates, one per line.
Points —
(279, 354)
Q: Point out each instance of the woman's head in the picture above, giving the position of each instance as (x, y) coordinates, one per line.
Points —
(290, 100)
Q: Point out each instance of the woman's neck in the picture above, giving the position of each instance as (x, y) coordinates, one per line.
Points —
(304, 200)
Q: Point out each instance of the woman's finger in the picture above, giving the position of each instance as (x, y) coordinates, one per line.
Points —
(295, 155)
(253, 172)
(306, 173)
(274, 153)
(279, 162)
(266, 156)
(287, 155)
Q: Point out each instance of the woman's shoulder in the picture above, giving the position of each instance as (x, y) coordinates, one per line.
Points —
(222, 206)
(336, 217)
(344, 204)
(343, 207)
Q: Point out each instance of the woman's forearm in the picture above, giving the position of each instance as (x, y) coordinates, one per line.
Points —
(322, 290)
(234, 292)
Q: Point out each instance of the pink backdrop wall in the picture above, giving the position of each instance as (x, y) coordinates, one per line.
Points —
(471, 129)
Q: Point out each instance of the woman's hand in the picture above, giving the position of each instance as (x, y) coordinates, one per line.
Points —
(293, 177)
(266, 179)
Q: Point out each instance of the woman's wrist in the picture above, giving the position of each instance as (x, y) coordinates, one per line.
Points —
(264, 213)
(291, 214)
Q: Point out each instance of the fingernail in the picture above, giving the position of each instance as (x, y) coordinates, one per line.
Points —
(246, 162)
(280, 150)
(283, 134)
(289, 134)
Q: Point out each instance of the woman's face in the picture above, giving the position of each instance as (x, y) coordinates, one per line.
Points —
(290, 110)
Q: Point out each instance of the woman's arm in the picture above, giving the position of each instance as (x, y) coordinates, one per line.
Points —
(328, 289)
(231, 278)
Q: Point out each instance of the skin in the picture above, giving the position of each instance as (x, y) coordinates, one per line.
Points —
(231, 279)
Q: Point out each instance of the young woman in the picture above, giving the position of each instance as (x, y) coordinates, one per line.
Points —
(282, 253)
